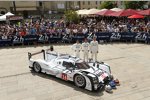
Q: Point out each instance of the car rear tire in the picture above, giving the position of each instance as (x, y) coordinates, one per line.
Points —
(79, 81)
(37, 67)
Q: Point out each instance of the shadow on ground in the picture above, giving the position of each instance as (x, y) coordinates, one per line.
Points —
(69, 83)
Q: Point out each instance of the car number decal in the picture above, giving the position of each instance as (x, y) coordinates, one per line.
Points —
(64, 76)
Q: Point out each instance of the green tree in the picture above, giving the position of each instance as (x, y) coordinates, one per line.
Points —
(108, 5)
(71, 16)
(134, 4)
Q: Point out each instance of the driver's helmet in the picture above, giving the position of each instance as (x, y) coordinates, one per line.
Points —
(108, 88)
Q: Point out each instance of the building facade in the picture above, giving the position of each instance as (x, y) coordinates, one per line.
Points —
(5, 6)
(32, 7)
(89, 4)
(27, 8)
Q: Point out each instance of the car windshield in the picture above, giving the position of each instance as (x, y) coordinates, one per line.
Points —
(68, 64)
(82, 65)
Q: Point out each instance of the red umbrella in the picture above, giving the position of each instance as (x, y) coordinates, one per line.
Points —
(118, 13)
(127, 12)
(145, 12)
(136, 16)
(105, 12)
(131, 12)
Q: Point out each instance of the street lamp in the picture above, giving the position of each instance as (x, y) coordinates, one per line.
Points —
(14, 6)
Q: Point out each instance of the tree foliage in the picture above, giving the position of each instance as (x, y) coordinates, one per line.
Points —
(108, 5)
(134, 4)
(71, 16)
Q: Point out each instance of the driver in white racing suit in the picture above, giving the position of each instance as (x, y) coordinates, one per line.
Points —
(94, 49)
(77, 47)
(85, 49)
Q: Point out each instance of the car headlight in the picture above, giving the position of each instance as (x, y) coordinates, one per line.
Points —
(95, 80)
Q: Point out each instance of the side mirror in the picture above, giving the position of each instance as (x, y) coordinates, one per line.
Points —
(97, 65)
(93, 64)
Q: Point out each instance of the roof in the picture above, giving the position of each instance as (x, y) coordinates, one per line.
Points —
(68, 58)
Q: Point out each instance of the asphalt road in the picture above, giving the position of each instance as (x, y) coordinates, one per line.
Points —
(130, 63)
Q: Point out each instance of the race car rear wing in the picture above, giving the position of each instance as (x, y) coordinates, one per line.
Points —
(32, 54)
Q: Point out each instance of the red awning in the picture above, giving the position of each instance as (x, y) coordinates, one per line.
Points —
(145, 12)
(127, 12)
(105, 12)
(136, 16)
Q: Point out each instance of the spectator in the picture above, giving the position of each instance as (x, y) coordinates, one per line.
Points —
(32, 31)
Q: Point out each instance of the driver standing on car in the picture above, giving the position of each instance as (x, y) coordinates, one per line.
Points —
(85, 49)
(94, 49)
(77, 47)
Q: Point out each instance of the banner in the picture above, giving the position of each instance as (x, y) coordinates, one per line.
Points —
(127, 36)
(148, 38)
(5, 40)
(141, 37)
(17, 40)
(52, 38)
(30, 39)
(115, 36)
(43, 38)
(14, 18)
(103, 36)
(79, 37)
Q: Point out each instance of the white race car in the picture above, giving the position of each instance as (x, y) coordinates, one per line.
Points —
(91, 76)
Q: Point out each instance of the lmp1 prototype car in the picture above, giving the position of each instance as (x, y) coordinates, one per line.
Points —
(91, 76)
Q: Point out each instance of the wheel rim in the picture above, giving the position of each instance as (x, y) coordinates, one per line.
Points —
(79, 80)
(37, 67)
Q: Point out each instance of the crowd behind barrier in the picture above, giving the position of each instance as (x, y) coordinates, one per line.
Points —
(47, 31)
(105, 36)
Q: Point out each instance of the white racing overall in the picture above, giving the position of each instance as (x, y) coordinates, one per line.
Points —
(94, 50)
(85, 49)
(76, 47)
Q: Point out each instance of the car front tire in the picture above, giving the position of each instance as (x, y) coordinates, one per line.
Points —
(79, 81)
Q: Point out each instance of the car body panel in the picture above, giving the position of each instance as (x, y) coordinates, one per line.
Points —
(66, 67)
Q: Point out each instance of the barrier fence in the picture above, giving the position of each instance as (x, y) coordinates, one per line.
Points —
(104, 36)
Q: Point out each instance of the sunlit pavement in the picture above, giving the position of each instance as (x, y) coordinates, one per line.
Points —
(130, 63)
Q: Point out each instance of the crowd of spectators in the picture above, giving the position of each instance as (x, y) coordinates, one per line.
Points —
(120, 25)
(86, 26)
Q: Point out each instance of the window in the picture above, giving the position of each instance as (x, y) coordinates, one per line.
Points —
(96, 2)
(83, 2)
(121, 2)
(78, 2)
(88, 2)
(68, 64)
(82, 65)
(40, 3)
